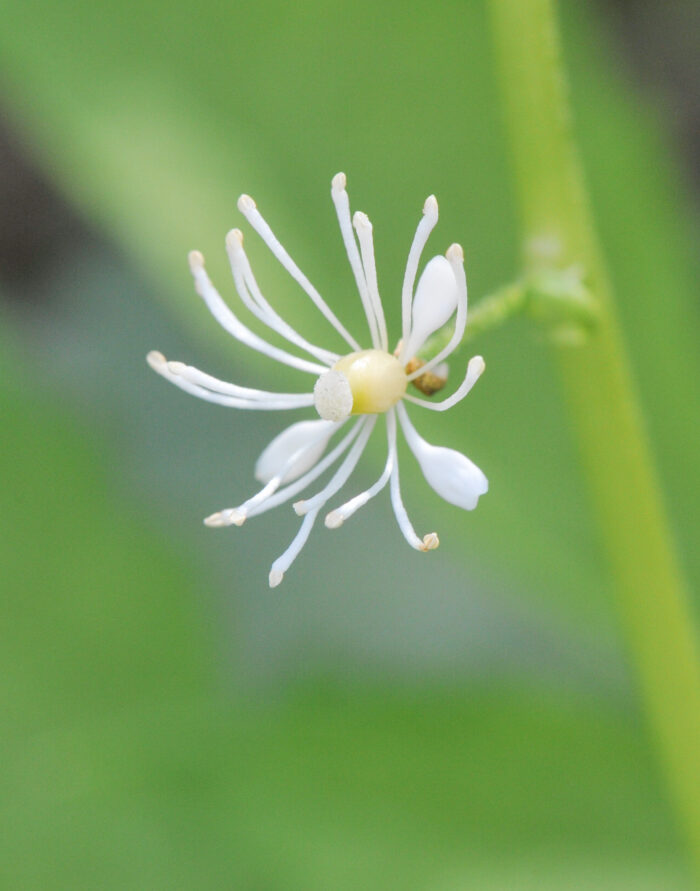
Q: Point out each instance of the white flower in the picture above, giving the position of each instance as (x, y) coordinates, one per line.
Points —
(360, 385)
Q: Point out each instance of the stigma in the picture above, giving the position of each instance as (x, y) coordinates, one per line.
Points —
(367, 382)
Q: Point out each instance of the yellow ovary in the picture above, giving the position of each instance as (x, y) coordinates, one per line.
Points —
(377, 380)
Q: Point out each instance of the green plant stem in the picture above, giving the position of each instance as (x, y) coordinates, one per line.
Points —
(653, 605)
(491, 311)
(556, 299)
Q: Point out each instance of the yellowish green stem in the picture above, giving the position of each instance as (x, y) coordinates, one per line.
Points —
(556, 299)
(652, 600)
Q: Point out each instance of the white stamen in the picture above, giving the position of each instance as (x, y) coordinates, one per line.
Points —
(475, 369)
(291, 468)
(247, 207)
(156, 360)
(363, 227)
(226, 318)
(195, 376)
(313, 505)
(341, 475)
(285, 560)
(434, 302)
(300, 484)
(455, 256)
(425, 227)
(244, 280)
(271, 402)
(337, 517)
(275, 577)
(238, 515)
(342, 209)
(405, 526)
(215, 520)
(333, 396)
(232, 516)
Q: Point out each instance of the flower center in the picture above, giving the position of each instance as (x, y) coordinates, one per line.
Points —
(364, 383)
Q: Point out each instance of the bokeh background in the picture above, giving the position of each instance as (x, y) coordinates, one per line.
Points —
(384, 720)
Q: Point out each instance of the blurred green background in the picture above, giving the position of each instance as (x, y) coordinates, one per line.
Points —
(384, 720)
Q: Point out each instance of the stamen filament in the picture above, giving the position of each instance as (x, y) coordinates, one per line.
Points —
(238, 515)
(341, 475)
(195, 376)
(342, 209)
(300, 484)
(425, 227)
(475, 369)
(275, 401)
(363, 227)
(247, 207)
(252, 297)
(430, 541)
(312, 507)
(337, 517)
(285, 560)
(229, 322)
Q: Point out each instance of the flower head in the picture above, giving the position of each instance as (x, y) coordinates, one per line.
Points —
(350, 391)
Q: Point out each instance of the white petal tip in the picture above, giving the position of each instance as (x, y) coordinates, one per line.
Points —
(236, 517)
(430, 542)
(156, 360)
(430, 208)
(482, 489)
(246, 204)
(334, 520)
(176, 367)
(455, 253)
(234, 239)
(360, 220)
(195, 259)
(299, 508)
(275, 577)
(339, 182)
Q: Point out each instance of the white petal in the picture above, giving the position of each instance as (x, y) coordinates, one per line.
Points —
(455, 257)
(450, 473)
(307, 438)
(435, 301)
